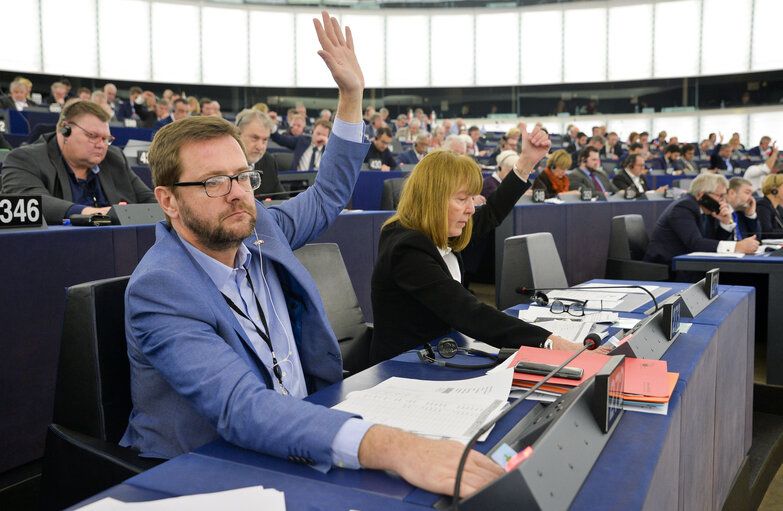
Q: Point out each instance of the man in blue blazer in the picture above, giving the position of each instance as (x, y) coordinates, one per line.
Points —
(179, 110)
(688, 226)
(226, 330)
(669, 160)
(419, 150)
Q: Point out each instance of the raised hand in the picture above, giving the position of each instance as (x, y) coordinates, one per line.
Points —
(338, 54)
(535, 145)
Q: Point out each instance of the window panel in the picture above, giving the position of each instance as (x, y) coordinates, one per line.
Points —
(452, 50)
(20, 40)
(120, 60)
(684, 128)
(367, 32)
(630, 38)
(224, 46)
(407, 51)
(676, 38)
(271, 29)
(766, 35)
(541, 47)
(175, 43)
(585, 45)
(764, 123)
(725, 46)
(723, 123)
(310, 68)
(497, 49)
(66, 50)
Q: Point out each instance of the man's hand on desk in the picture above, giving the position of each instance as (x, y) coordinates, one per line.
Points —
(425, 463)
(747, 246)
(96, 211)
(561, 343)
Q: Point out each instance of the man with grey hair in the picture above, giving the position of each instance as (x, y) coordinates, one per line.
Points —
(376, 122)
(18, 99)
(699, 221)
(454, 143)
(326, 115)
(254, 128)
(111, 96)
(410, 132)
(419, 150)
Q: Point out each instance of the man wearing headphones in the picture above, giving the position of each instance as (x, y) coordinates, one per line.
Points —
(588, 175)
(74, 169)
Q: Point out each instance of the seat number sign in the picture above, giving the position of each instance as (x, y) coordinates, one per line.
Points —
(20, 211)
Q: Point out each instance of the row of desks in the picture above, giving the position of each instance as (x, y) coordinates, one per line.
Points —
(684, 460)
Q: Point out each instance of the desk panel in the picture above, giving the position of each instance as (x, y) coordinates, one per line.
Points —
(369, 188)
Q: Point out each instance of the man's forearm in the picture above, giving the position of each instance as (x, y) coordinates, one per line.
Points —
(349, 107)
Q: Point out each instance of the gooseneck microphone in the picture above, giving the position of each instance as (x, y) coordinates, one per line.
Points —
(590, 343)
(538, 294)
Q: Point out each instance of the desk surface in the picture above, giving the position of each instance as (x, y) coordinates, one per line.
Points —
(681, 460)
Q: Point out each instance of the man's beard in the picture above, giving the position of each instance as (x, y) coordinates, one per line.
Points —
(217, 237)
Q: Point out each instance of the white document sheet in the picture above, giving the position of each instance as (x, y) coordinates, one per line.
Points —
(574, 331)
(250, 498)
(453, 409)
(717, 254)
(593, 298)
(536, 313)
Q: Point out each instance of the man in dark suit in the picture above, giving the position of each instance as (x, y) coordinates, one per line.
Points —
(131, 109)
(74, 169)
(669, 160)
(180, 111)
(307, 149)
(18, 98)
(614, 148)
(763, 149)
(721, 158)
(254, 130)
(689, 226)
(417, 152)
(111, 96)
(743, 206)
(379, 157)
(588, 176)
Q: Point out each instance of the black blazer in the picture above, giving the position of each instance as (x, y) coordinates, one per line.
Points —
(770, 218)
(679, 231)
(623, 180)
(415, 299)
(297, 143)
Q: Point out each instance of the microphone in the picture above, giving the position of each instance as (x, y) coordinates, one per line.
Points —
(590, 343)
(538, 292)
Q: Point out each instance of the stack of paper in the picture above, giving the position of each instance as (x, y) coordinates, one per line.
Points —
(454, 409)
(535, 313)
(648, 385)
(251, 498)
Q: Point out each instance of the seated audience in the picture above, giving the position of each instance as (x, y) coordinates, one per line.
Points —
(399, 123)
(254, 129)
(325, 115)
(576, 147)
(417, 152)
(554, 179)
(18, 99)
(376, 122)
(411, 132)
(687, 225)
(74, 169)
(418, 272)
(84, 93)
(194, 107)
(721, 158)
(181, 110)
(308, 150)
(631, 175)
(99, 97)
(477, 146)
(506, 144)
(763, 149)
(379, 157)
(506, 161)
(572, 132)
(669, 160)
(162, 110)
(614, 149)
(743, 208)
(438, 137)
(689, 165)
(455, 143)
(296, 126)
(59, 94)
(660, 142)
(770, 207)
(756, 173)
(704, 150)
(211, 107)
(132, 108)
(111, 96)
(589, 175)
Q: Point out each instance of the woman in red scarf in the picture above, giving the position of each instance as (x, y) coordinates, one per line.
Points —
(554, 179)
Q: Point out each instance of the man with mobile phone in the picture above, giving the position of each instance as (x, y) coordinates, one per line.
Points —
(700, 221)
(743, 205)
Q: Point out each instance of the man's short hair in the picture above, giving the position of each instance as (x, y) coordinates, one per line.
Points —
(736, 183)
(630, 161)
(384, 110)
(687, 147)
(135, 90)
(584, 154)
(77, 107)
(323, 122)
(581, 134)
(374, 117)
(472, 129)
(707, 183)
(415, 122)
(16, 84)
(107, 85)
(98, 94)
(599, 139)
(635, 146)
(402, 117)
(424, 136)
(249, 115)
(180, 100)
(644, 133)
(164, 154)
(771, 182)
(765, 138)
(451, 141)
(164, 102)
(672, 148)
(559, 159)
(383, 131)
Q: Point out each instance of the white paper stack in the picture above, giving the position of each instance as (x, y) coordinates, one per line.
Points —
(250, 498)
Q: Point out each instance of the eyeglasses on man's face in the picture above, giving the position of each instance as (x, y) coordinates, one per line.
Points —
(218, 186)
(92, 137)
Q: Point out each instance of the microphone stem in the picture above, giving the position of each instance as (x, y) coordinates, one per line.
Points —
(485, 427)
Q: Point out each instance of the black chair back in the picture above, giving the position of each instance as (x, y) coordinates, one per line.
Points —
(628, 239)
(391, 192)
(529, 260)
(325, 264)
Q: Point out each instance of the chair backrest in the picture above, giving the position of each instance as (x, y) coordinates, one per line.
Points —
(93, 376)
(284, 159)
(326, 266)
(391, 192)
(532, 261)
(628, 239)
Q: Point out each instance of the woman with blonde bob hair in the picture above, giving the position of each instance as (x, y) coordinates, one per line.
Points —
(417, 290)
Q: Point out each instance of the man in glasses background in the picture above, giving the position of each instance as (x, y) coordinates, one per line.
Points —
(75, 169)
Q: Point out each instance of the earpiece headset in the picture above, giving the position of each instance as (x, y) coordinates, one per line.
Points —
(65, 130)
(775, 185)
(447, 348)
